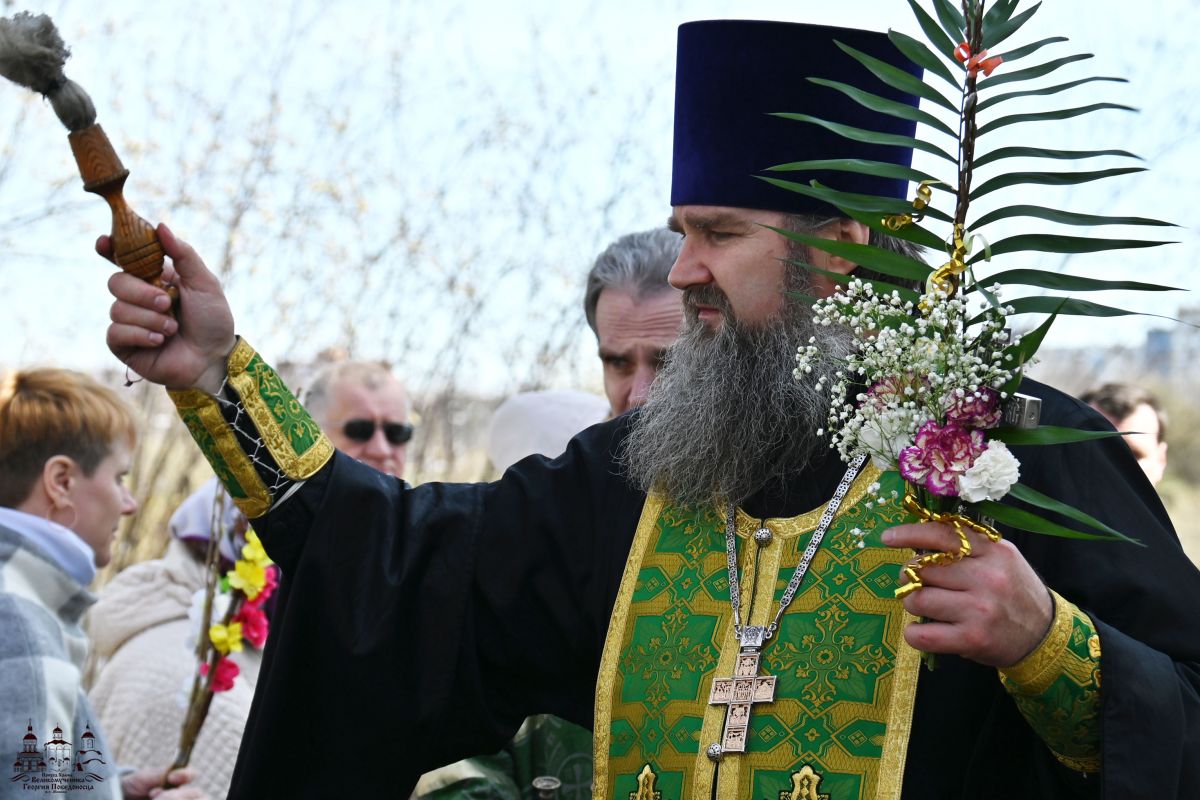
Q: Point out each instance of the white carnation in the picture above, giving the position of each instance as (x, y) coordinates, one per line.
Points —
(884, 434)
(991, 476)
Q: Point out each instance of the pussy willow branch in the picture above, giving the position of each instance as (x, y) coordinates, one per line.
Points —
(973, 14)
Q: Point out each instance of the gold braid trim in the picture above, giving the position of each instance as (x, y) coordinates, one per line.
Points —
(1034, 673)
(1057, 688)
(217, 441)
(298, 445)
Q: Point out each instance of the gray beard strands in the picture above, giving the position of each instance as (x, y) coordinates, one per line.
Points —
(725, 417)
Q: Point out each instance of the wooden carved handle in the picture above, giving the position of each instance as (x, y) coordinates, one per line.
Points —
(135, 244)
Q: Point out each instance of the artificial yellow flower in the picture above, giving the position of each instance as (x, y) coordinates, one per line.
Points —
(226, 638)
(253, 550)
(247, 577)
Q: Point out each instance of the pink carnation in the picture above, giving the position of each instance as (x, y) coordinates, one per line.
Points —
(226, 674)
(980, 409)
(254, 624)
(940, 455)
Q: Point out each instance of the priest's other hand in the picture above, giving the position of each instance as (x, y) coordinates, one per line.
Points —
(147, 783)
(990, 607)
(183, 352)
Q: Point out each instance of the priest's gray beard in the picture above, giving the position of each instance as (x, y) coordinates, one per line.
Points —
(725, 417)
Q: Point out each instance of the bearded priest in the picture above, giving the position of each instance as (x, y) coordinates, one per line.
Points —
(702, 580)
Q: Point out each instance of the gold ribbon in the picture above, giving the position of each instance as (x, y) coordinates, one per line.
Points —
(945, 277)
(956, 521)
(924, 195)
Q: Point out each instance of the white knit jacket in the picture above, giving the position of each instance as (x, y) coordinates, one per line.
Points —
(144, 666)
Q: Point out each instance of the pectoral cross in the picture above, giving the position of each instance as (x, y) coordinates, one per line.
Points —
(743, 690)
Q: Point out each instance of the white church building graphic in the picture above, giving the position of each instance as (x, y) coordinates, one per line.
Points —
(58, 760)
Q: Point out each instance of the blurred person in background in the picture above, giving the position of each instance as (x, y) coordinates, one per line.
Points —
(364, 410)
(66, 446)
(143, 631)
(635, 314)
(1132, 408)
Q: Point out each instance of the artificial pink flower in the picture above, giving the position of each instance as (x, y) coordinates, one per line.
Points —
(254, 624)
(941, 454)
(226, 674)
(978, 410)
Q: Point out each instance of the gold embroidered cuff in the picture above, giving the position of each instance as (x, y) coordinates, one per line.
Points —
(202, 416)
(1057, 688)
(295, 441)
(1034, 673)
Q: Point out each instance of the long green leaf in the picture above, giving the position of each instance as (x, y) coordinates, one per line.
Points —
(951, 19)
(849, 201)
(998, 33)
(1000, 11)
(1028, 521)
(1044, 116)
(898, 78)
(1029, 72)
(1046, 434)
(872, 137)
(1056, 243)
(910, 233)
(865, 255)
(1035, 498)
(890, 107)
(1064, 217)
(920, 54)
(881, 287)
(1041, 152)
(1029, 49)
(1044, 279)
(1061, 87)
(1048, 304)
(1049, 179)
(933, 32)
(1022, 351)
(861, 166)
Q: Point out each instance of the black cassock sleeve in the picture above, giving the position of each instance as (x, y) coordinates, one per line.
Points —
(420, 625)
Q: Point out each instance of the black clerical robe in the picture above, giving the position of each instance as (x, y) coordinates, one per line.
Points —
(419, 625)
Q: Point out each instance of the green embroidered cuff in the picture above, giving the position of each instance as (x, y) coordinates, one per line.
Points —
(1057, 688)
(295, 447)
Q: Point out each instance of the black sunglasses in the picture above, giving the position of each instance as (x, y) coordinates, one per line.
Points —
(361, 430)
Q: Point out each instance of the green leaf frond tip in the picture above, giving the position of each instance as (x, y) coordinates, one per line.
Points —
(1000, 11)
(1002, 29)
(1024, 349)
(951, 18)
(1030, 73)
(862, 166)
(1061, 87)
(848, 201)
(1046, 434)
(892, 108)
(1042, 152)
(1056, 243)
(871, 137)
(1049, 304)
(1065, 217)
(898, 78)
(922, 56)
(881, 287)
(1049, 179)
(933, 32)
(865, 255)
(1046, 116)
(1044, 279)
(1029, 521)
(1030, 49)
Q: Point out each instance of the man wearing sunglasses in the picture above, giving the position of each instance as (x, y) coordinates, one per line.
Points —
(364, 410)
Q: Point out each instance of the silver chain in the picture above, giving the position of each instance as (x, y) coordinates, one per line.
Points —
(735, 593)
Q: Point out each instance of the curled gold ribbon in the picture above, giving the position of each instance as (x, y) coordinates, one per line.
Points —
(945, 277)
(924, 195)
(956, 521)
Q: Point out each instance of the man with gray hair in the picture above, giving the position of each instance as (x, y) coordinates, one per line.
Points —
(364, 410)
(634, 312)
